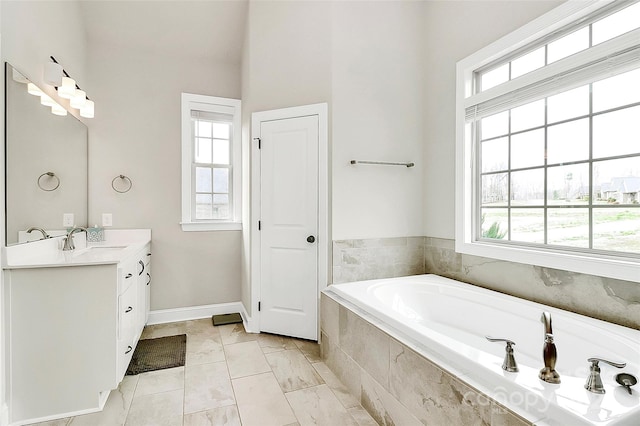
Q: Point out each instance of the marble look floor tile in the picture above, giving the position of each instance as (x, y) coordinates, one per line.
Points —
(160, 381)
(318, 405)
(163, 330)
(204, 348)
(207, 386)
(115, 409)
(292, 370)
(158, 409)
(235, 333)
(310, 349)
(245, 359)
(261, 401)
(361, 416)
(223, 416)
(202, 327)
(274, 343)
(338, 388)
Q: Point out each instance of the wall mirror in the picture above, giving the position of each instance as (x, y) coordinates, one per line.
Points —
(45, 164)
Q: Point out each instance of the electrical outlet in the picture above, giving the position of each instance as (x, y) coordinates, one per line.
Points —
(107, 219)
(67, 220)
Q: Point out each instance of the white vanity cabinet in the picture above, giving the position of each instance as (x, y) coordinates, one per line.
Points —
(129, 328)
(70, 334)
(144, 283)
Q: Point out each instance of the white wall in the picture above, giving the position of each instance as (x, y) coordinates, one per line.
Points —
(136, 132)
(378, 108)
(454, 30)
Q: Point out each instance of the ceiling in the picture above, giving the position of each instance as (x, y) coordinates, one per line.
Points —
(212, 29)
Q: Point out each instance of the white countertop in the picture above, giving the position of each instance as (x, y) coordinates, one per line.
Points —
(119, 245)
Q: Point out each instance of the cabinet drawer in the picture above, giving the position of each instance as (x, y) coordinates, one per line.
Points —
(126, 276)
(125, 350)
(127, 312)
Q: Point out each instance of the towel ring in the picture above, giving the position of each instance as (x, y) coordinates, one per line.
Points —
(129, 184)
(50, 175)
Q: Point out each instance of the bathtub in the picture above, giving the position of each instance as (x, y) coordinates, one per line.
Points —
(446, 321)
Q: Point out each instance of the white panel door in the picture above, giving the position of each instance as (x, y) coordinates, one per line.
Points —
(289, 226)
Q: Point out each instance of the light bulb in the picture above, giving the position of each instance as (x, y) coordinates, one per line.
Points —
(47, 101)
(58, 110)
(33, 89)
(87, 109)
(67, 89)
(79, 99)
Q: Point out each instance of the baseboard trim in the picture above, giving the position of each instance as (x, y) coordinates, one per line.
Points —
(163, 316)
(250, 324)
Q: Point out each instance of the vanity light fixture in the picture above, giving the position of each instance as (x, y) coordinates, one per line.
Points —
(55, 75)
(68, 88)
(47, 101)
(58, 110)
(79, 99)
(87, 110)
(34, 90)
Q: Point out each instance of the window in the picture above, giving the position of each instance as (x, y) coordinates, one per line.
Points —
(210, 163)
(548, 160)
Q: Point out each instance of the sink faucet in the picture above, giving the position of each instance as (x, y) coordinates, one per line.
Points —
(44, 233)
(549, 353)
(68, 241)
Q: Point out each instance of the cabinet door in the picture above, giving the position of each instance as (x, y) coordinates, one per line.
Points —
(127, 315)
(144, 285)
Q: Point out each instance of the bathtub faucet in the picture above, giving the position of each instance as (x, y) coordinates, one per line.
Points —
(549, 353)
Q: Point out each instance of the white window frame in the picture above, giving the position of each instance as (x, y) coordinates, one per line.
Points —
(219, 105)
(607, 265)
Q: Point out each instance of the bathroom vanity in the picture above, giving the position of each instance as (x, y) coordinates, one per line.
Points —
(73, 319)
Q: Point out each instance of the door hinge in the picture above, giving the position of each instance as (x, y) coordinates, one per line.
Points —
(259, 142)
(259, 225)
(259, 305)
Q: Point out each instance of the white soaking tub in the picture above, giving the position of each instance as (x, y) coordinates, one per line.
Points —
(447, 321)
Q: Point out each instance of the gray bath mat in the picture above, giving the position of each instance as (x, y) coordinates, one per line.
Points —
(158, 354)
(226, 319)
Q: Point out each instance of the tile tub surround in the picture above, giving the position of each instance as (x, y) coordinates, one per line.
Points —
(608, 299)
(395, 384)
(357, 260)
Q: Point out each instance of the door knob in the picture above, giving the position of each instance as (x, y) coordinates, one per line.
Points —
(311, 239)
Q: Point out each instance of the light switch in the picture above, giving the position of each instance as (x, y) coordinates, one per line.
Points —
(67, 220)
(107, 219)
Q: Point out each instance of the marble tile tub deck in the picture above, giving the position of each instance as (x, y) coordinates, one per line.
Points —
(231, 378)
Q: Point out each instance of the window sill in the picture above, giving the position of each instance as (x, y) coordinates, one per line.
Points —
(604, 266)
(210, 226)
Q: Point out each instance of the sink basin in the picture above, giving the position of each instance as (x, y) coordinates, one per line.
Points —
(104, 248)
(98, 252)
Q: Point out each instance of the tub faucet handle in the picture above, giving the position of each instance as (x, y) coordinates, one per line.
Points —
(594, 382)
(509, 363)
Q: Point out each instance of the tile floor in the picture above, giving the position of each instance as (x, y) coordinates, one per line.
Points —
(231, 378)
